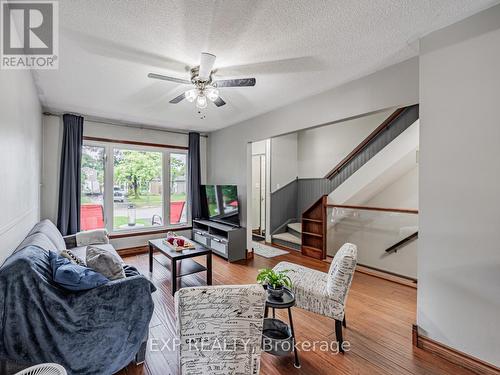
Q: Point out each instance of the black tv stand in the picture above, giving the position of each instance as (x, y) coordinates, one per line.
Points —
(223, 239)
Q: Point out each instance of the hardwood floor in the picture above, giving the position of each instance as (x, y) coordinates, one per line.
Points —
(379, 313)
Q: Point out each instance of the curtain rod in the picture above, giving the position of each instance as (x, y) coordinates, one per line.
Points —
(121, 123)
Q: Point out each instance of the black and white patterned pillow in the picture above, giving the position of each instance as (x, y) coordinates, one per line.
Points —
(72, 257)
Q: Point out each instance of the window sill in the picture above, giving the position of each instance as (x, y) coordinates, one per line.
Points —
(137, 233)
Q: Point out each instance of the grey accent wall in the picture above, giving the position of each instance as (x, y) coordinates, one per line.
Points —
(304, 192)
(284, 205)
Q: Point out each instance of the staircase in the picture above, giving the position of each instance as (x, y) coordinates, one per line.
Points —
(307, 198)
(290, 238)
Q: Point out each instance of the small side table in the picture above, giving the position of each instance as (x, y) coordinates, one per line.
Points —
(285, 302)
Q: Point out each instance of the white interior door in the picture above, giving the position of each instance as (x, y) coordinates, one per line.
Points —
(256, 192)
(262, 202)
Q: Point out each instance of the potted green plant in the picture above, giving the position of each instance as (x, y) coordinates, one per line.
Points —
(275, 281)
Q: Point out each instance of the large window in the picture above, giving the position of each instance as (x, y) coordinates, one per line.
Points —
(133, 188)
(178, 188)
(137, 189)
(92, 188)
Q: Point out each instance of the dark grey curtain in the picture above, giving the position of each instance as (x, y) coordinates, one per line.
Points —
(68, 218)
(194, 175)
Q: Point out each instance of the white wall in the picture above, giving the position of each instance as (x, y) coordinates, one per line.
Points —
(322, 148)
(20, 158)
(459, 243)
(52, 143)
(229, 152)
(52, 138)
(284, 160)
(402, 193)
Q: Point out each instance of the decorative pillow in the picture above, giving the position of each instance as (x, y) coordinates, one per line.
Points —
(105, 262)
(72, 276)
(92, 237)
(68, 254)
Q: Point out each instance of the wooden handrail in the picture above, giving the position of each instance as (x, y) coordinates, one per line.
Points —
(384, 209)
(365, 142)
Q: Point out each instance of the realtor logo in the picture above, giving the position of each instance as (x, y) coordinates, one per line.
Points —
(29, 34)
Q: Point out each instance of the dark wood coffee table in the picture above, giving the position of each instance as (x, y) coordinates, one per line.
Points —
(180, 264)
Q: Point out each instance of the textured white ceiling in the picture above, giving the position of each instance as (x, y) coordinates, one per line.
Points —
(293, 48)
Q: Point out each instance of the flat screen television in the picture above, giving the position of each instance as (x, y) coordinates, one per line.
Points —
(220, 203)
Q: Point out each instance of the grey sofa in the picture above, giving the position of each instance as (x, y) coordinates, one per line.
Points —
(98, 331)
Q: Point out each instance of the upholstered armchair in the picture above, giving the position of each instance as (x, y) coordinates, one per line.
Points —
(220, 329)
(325, 293)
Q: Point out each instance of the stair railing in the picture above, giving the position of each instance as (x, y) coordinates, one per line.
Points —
(359, 148)
(398, 245)
(378, 232)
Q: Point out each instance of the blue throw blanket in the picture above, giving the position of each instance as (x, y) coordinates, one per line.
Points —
(97, 331)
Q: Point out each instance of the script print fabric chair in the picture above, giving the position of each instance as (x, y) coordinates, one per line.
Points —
(324, 293)
(220, 329)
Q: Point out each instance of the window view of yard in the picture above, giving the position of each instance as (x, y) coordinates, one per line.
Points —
(92, 188)
(178, 188)
(137, 189)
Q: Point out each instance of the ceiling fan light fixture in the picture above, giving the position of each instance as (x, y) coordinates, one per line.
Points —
(201, 101)
(205, 87)
(191, 95)
(212, 93)
(206, 64)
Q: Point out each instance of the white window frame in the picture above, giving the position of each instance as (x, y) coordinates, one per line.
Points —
(109, 185)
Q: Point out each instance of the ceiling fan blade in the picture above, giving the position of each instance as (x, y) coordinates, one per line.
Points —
(219, 102)
(206, 64)
(167, 78)
(240, 82)
(177, 99)
(121, 52)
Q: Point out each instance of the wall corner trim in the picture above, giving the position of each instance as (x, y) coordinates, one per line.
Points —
(452, 355)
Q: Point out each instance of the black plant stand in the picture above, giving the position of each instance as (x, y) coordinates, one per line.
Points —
(285, 302)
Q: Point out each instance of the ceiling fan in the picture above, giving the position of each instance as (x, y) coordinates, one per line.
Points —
(204, 85)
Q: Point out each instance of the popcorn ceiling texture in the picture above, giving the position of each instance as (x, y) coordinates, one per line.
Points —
(294, 48)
